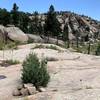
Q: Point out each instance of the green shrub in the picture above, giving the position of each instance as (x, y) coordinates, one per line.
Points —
(35, 71)
(11, 45)
(38, 46)
(52, 47)
(1, 45)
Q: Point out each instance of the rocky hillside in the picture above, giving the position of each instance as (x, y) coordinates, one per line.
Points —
(76, 23)
(80, 26)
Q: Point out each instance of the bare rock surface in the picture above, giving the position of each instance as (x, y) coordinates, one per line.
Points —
(16, 93)
(24, 92)
(12, 33)
(16, 34)
(31, 89)
(35, 38)
(74, 76)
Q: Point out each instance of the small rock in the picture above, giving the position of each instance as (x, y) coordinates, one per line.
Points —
(32, 90)
(28, 85)
(20, 87)
(41, 89)
(16, 92)
(24, 91)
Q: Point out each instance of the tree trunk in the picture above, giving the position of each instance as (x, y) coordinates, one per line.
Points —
(77, 42)
(48, 37)
(57, 40)
(89, 47)
(68, 43)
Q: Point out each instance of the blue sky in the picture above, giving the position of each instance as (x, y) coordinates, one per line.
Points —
(86, 7)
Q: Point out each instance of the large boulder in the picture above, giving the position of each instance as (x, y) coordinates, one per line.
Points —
(34, 38)
(14, 33)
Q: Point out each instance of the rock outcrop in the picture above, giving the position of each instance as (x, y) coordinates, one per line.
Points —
(84, 25)
(35, 38)
(16, 34)
(12, 33)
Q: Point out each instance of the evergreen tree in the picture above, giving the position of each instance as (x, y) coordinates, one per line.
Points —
(24, 21)
(15, 15)
(66, 34)
(35, 71)
(52, 25)
(4, 17)
(41, 29)
(34, 24)
(76, 33)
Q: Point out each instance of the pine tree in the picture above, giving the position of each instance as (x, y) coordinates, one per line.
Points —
(35, 71)
(15, 15)
(52, 25)
(34, 24)
(24, 21)
(4, 17)
(66, 34)
(76, 33)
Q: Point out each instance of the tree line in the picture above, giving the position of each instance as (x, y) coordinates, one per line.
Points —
(33, 25)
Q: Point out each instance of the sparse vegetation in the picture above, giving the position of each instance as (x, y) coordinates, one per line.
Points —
(89, 87)
(46, 46)
(9, 45)
(51, 59)
(52, 47)
(35, 71)
(38, 46)
(84, 48)
(11, 62)
(1, 45)
(97, 52)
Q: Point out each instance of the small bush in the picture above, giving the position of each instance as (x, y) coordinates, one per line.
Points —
(35, 71)
(52, 47)
(47, 47)
(39, 46)
(11, 62)
(1, 45)
(11, 45)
